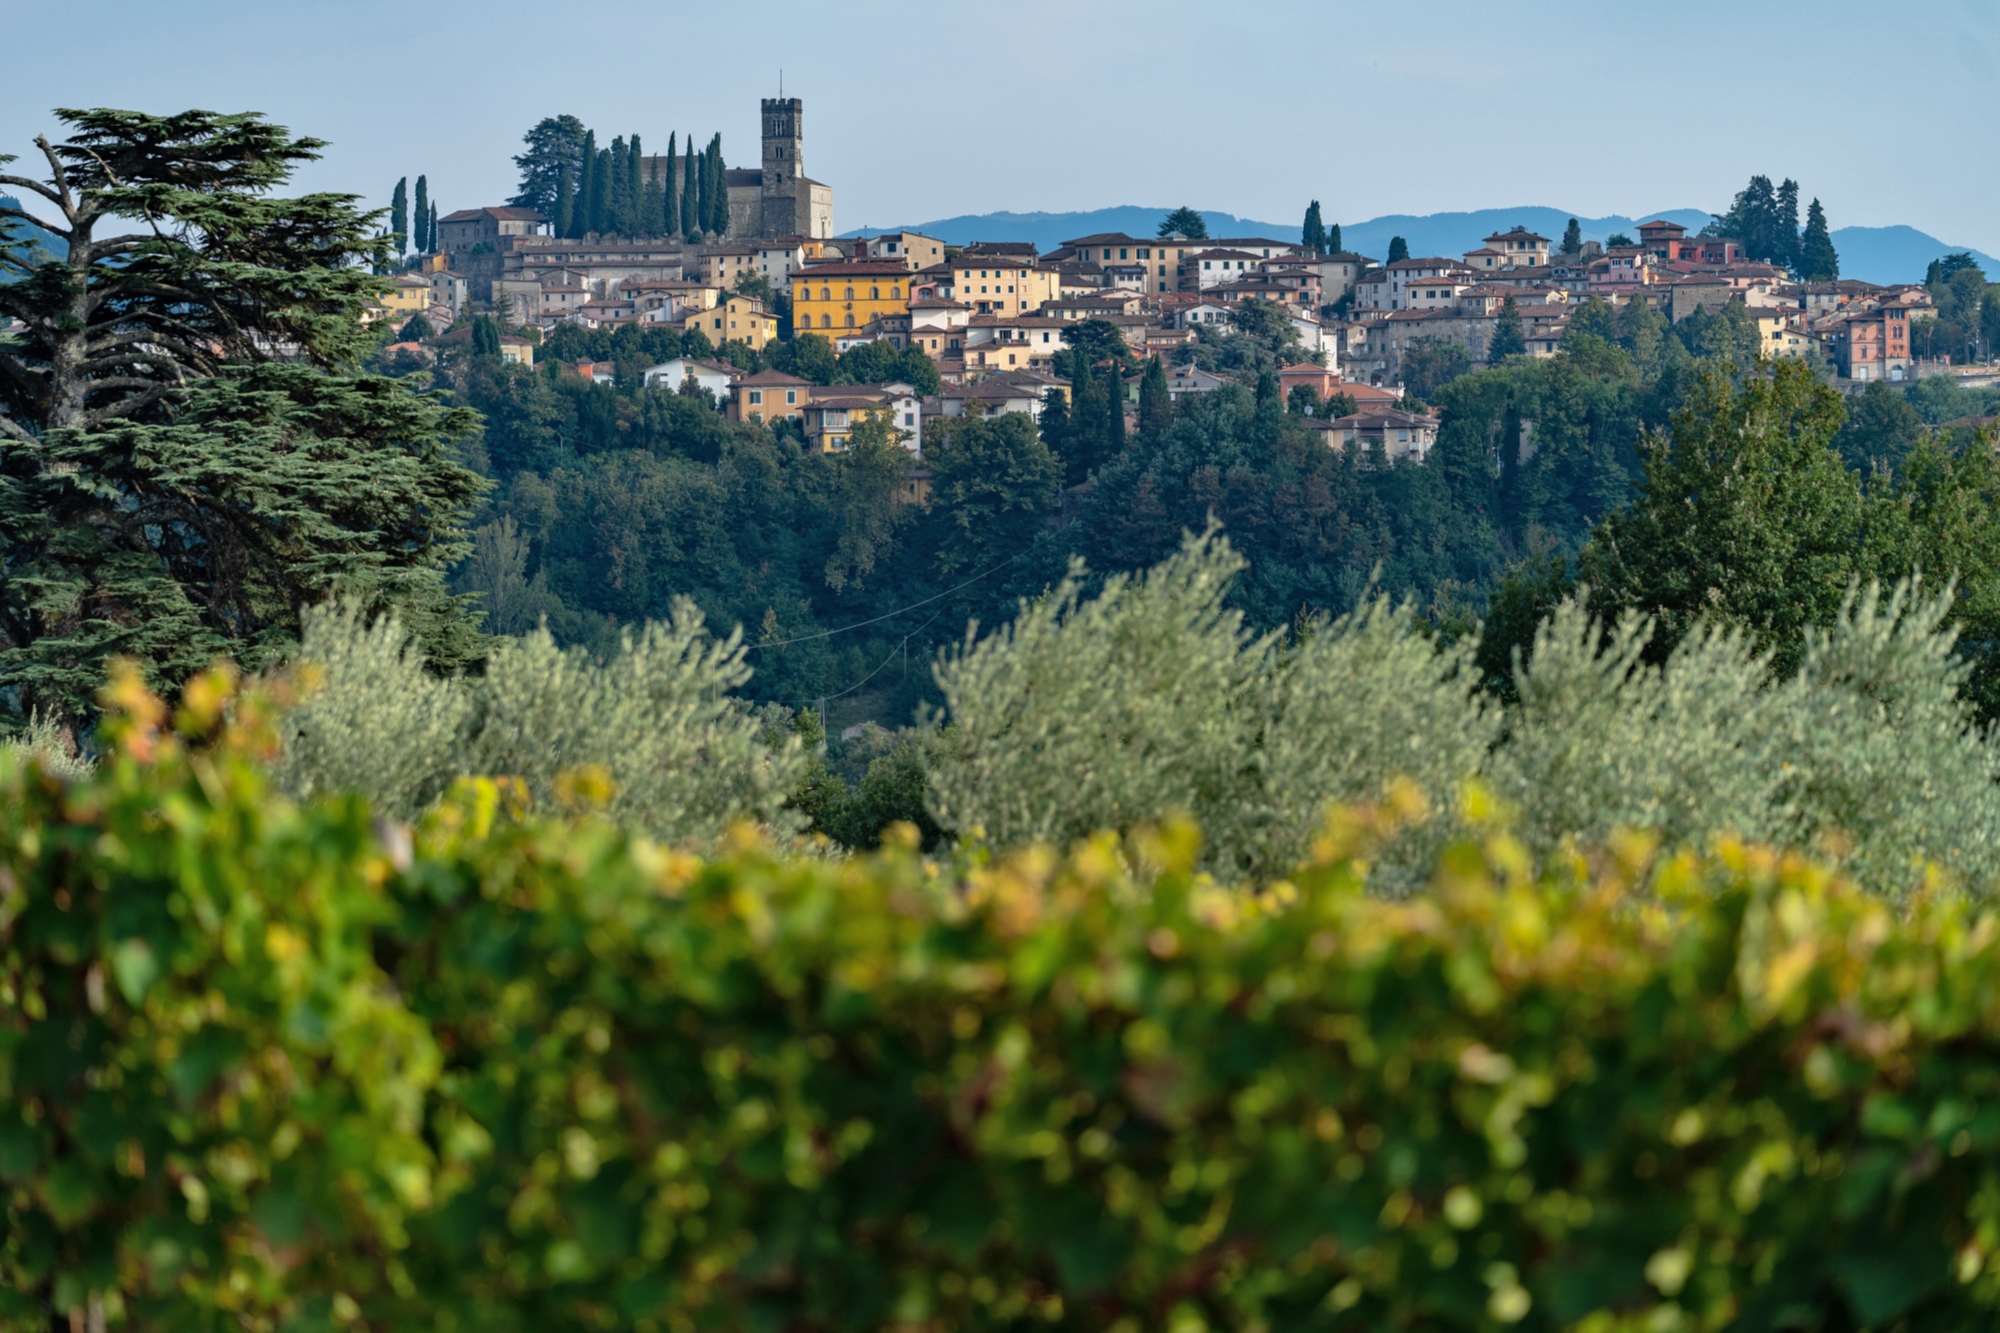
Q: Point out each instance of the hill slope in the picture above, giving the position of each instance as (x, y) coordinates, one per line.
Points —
(1874, 254)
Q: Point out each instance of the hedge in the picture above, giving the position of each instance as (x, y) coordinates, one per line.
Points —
(271, 1067)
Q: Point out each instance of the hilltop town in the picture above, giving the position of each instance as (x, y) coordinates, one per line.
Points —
(994, 318)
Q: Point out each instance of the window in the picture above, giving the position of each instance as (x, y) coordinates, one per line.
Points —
(825, 293)
(850, 321)
(826, 321)
(896, 292)
(850, 293)
(1121, 254)
(756, 395)
(874, 293)
(909, 418)
(791, 396)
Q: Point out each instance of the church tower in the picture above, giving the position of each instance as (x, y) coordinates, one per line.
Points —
(786, 192)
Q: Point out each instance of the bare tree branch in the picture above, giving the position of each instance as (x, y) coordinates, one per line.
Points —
(23, 183)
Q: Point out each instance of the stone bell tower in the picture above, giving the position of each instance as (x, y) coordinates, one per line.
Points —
(786, 203)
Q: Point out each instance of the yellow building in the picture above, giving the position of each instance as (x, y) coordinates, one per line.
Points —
(408, 295)
(742, 318)
(830, 298)
(995, 285)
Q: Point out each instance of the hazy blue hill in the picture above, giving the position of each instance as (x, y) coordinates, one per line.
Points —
(34, 233)
(1873, 254)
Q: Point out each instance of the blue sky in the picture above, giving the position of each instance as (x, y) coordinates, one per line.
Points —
(917, 111)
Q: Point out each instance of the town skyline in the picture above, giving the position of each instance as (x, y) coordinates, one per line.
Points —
(1756, 100)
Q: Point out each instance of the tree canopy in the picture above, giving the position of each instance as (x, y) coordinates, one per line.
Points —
(1186, 222)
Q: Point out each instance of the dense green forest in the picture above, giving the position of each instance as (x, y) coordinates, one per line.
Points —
(610, 500)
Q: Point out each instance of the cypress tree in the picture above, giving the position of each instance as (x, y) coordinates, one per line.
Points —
(635, 189)
(601, 174)
(586, 183)
(399, 216)
(1788, 225)
(1114, 420)
(565, 218)
(618, 200)
(1055, 421)
(1817, 260)
(1156, 406)
(1086, 425)
(1333, 239)
(1399, 250)
(690, 193)
(1573, 238)
(670, 197)
(715, 192)
(1508, 339)
(423, 215)
(1313, 234)
(434, 229)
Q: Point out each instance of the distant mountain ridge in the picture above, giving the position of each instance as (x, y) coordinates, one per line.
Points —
(1873, 254)
(53, 244)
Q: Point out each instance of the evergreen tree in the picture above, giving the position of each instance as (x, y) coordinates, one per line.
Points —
(554, 143)
(1313, 235)
(1156, 405)
(690, 193)
(1114, 417)
(1186, 222)
(1817, 260)
(636, 212)
(1055, 423)
(586, 184)
(432, 246)
(399, 217)
(618, 199)
(603, 172)
(1788, 225)
(1399, 250)
(1333, 239)
(1508, 339)
(423, 216)
(670, 196)
(166, 492)
(1572, 243)
(565, 214)
(1086, 434)
(485, 336)
(715, 191)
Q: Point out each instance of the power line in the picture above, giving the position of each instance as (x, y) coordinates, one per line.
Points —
(878, 666)
(829, 633)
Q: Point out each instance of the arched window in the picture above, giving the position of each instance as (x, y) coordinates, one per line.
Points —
(850, 293)
(895, 293)
(850, 321)
(824, 294)
(826, 321)
(874, 293)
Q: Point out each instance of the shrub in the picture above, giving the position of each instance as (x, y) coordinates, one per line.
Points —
(261, 1066)
(683, 759)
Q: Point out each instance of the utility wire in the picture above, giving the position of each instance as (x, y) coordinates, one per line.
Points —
(884, 662)
(829, 633)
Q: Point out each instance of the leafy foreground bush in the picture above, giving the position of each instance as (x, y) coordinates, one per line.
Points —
(263, 1067)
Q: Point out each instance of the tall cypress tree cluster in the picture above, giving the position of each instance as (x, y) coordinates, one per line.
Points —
(1313, 235)
(586, 188)
(1764, 219)
(1817, 260)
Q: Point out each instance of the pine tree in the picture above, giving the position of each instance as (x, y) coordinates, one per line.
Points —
(399, 217)
(1508, 339)
(670, 195)
(1156, 405)
(586, 183)
(1313, 235)
(1333, 239)
(565, 218)
(178, 540)
(1817, 260)
(423, 215)
(690, 193)
(1399, 250)
(1573, 238)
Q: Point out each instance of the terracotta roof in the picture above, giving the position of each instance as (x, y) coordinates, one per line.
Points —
(503, 214)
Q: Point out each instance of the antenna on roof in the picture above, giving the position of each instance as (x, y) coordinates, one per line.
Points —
(781, 81)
